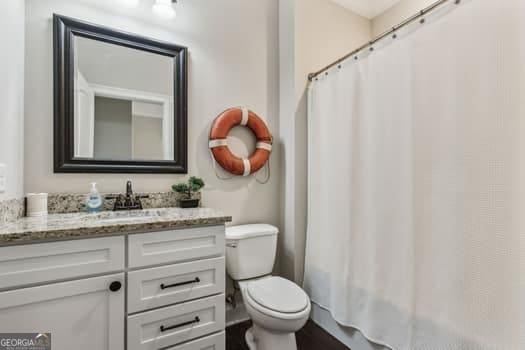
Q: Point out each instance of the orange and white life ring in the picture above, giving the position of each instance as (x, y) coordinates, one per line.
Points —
(218, 142)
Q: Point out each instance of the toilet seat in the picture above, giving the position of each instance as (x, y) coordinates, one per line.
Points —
(277, 297)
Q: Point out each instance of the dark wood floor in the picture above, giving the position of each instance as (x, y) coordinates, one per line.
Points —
(311, 337)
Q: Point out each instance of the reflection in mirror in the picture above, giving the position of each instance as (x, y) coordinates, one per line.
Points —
(123, 98)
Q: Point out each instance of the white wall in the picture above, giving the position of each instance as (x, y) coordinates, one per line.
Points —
(147, 137)
(397, 13)
(113, 125)
(325, 33)
(287, 62)
(12, 95)
(118, 66)
(233, 48)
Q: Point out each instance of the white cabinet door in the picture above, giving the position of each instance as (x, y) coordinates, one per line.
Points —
(80, 315)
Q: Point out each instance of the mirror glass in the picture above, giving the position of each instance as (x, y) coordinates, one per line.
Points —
(123, 102)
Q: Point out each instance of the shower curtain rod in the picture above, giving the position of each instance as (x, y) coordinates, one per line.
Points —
(393, 31)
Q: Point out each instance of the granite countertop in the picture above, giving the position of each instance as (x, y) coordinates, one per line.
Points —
(83, 225)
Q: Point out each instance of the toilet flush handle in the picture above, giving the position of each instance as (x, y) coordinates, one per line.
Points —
(231, 244)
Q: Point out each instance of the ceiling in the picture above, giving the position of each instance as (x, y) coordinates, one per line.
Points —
(367, 8)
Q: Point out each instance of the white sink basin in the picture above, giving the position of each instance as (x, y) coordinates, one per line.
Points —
(117, 216)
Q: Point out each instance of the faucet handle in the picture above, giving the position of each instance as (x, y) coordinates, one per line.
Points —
(138, 202)
(119, 201)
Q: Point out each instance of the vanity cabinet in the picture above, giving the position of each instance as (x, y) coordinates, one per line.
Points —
(81, 315)
(145, 291)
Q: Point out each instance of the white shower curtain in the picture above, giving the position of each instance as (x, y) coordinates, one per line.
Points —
(416, 210)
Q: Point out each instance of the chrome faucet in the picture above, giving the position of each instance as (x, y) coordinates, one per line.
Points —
(128, 201)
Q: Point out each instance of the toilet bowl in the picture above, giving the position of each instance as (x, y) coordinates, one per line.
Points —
(277, 307)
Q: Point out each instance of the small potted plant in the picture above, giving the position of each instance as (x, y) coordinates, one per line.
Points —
(193, 185)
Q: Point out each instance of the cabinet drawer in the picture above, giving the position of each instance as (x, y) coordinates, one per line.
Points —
(160, 286)
(177, 324)
(214, 342)
(174, 246)
(37, 263)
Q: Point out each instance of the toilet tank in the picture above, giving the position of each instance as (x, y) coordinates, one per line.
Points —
(250, 250)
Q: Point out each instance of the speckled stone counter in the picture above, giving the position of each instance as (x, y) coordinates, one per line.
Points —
(74, 203)
(83, 225)
(11, 210)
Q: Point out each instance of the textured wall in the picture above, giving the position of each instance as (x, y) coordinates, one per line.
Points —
(12, 95)
(233, 47)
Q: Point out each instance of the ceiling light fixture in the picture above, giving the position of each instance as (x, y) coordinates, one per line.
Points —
(164, 8)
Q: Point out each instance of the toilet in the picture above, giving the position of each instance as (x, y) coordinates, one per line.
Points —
(277, 307)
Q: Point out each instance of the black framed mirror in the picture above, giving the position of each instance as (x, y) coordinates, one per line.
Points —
(120, 101)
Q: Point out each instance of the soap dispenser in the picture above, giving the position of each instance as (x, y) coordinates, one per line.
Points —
(94, 200)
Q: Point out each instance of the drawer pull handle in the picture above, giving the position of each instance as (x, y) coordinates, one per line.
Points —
(195, 320)
(166, 286)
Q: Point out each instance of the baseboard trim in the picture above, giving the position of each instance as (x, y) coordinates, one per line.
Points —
(236, 315)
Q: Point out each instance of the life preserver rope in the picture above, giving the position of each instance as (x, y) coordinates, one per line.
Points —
(218, 142)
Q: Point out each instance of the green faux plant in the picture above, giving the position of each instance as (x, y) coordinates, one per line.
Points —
(193, 185)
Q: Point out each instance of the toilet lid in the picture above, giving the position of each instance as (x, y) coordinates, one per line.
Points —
(278, 294)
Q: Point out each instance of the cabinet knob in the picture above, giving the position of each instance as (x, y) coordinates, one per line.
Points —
(115, 286)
